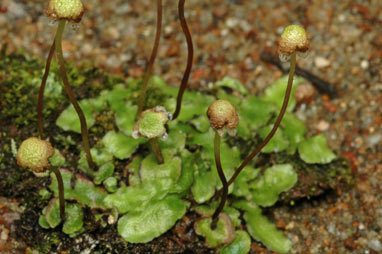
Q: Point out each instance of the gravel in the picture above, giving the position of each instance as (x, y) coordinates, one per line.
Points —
(228, 36)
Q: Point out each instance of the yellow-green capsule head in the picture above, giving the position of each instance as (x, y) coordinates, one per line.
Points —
(151, 123)
(71, 10)
(293, 39)
(34, 153)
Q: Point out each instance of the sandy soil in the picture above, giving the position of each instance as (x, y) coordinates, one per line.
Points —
(346, 51)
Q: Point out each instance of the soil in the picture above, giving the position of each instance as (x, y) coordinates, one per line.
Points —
(229, 37)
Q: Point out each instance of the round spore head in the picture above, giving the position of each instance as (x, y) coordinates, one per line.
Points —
(221, 113)
(34, 153)
(71, 10)
(293, 38)
(151, 123)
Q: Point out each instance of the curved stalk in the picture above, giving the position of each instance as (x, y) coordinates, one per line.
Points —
(277, 123)
(156, 150)
(190, 57)
(70, 93)
(222, 179)
(61, 196)
(152, 58)
(275, 126)
(42, 89)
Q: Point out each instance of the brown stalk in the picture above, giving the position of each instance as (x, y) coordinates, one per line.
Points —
(223, 179)
(154, 52)
(60, 185)
(275, 126)
(42, 89)
(190, 57)
(70, 93)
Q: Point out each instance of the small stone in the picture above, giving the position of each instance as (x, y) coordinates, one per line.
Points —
(220, 11)
(17, 10)
(374, 140)
(174, 49)
(321, 62)
(168, 30)
(4, 234)
(305, 93)
(112, 33)
(232, 22)
(281, 224)
(322, 125)
(111, 219)
(87, 48)
(113, 61)
(341, 18)
(68, 46)
(350, 243)
(364, 64)
(375, 244)
(290, 225)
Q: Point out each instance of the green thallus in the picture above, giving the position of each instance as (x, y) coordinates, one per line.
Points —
(64, 10)
(293, 40)
(222, 116)
(34, 153)
(151, 125)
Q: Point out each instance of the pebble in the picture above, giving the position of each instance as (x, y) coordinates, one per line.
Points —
(15, 9)
(168, 30)
(112, 33)
(305, 93)
(321, 62)
(375, 244)
(364, 64)
(220, 11)
(4, 234)
(87, 48)
(113, 61)
(123, 9)
(332, 228)
(322, 125)
(374, 140)
(232, 22)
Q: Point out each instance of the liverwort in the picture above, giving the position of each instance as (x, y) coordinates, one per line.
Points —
(151, 125)
(34, 153)
(65, 10)
(222, 116)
